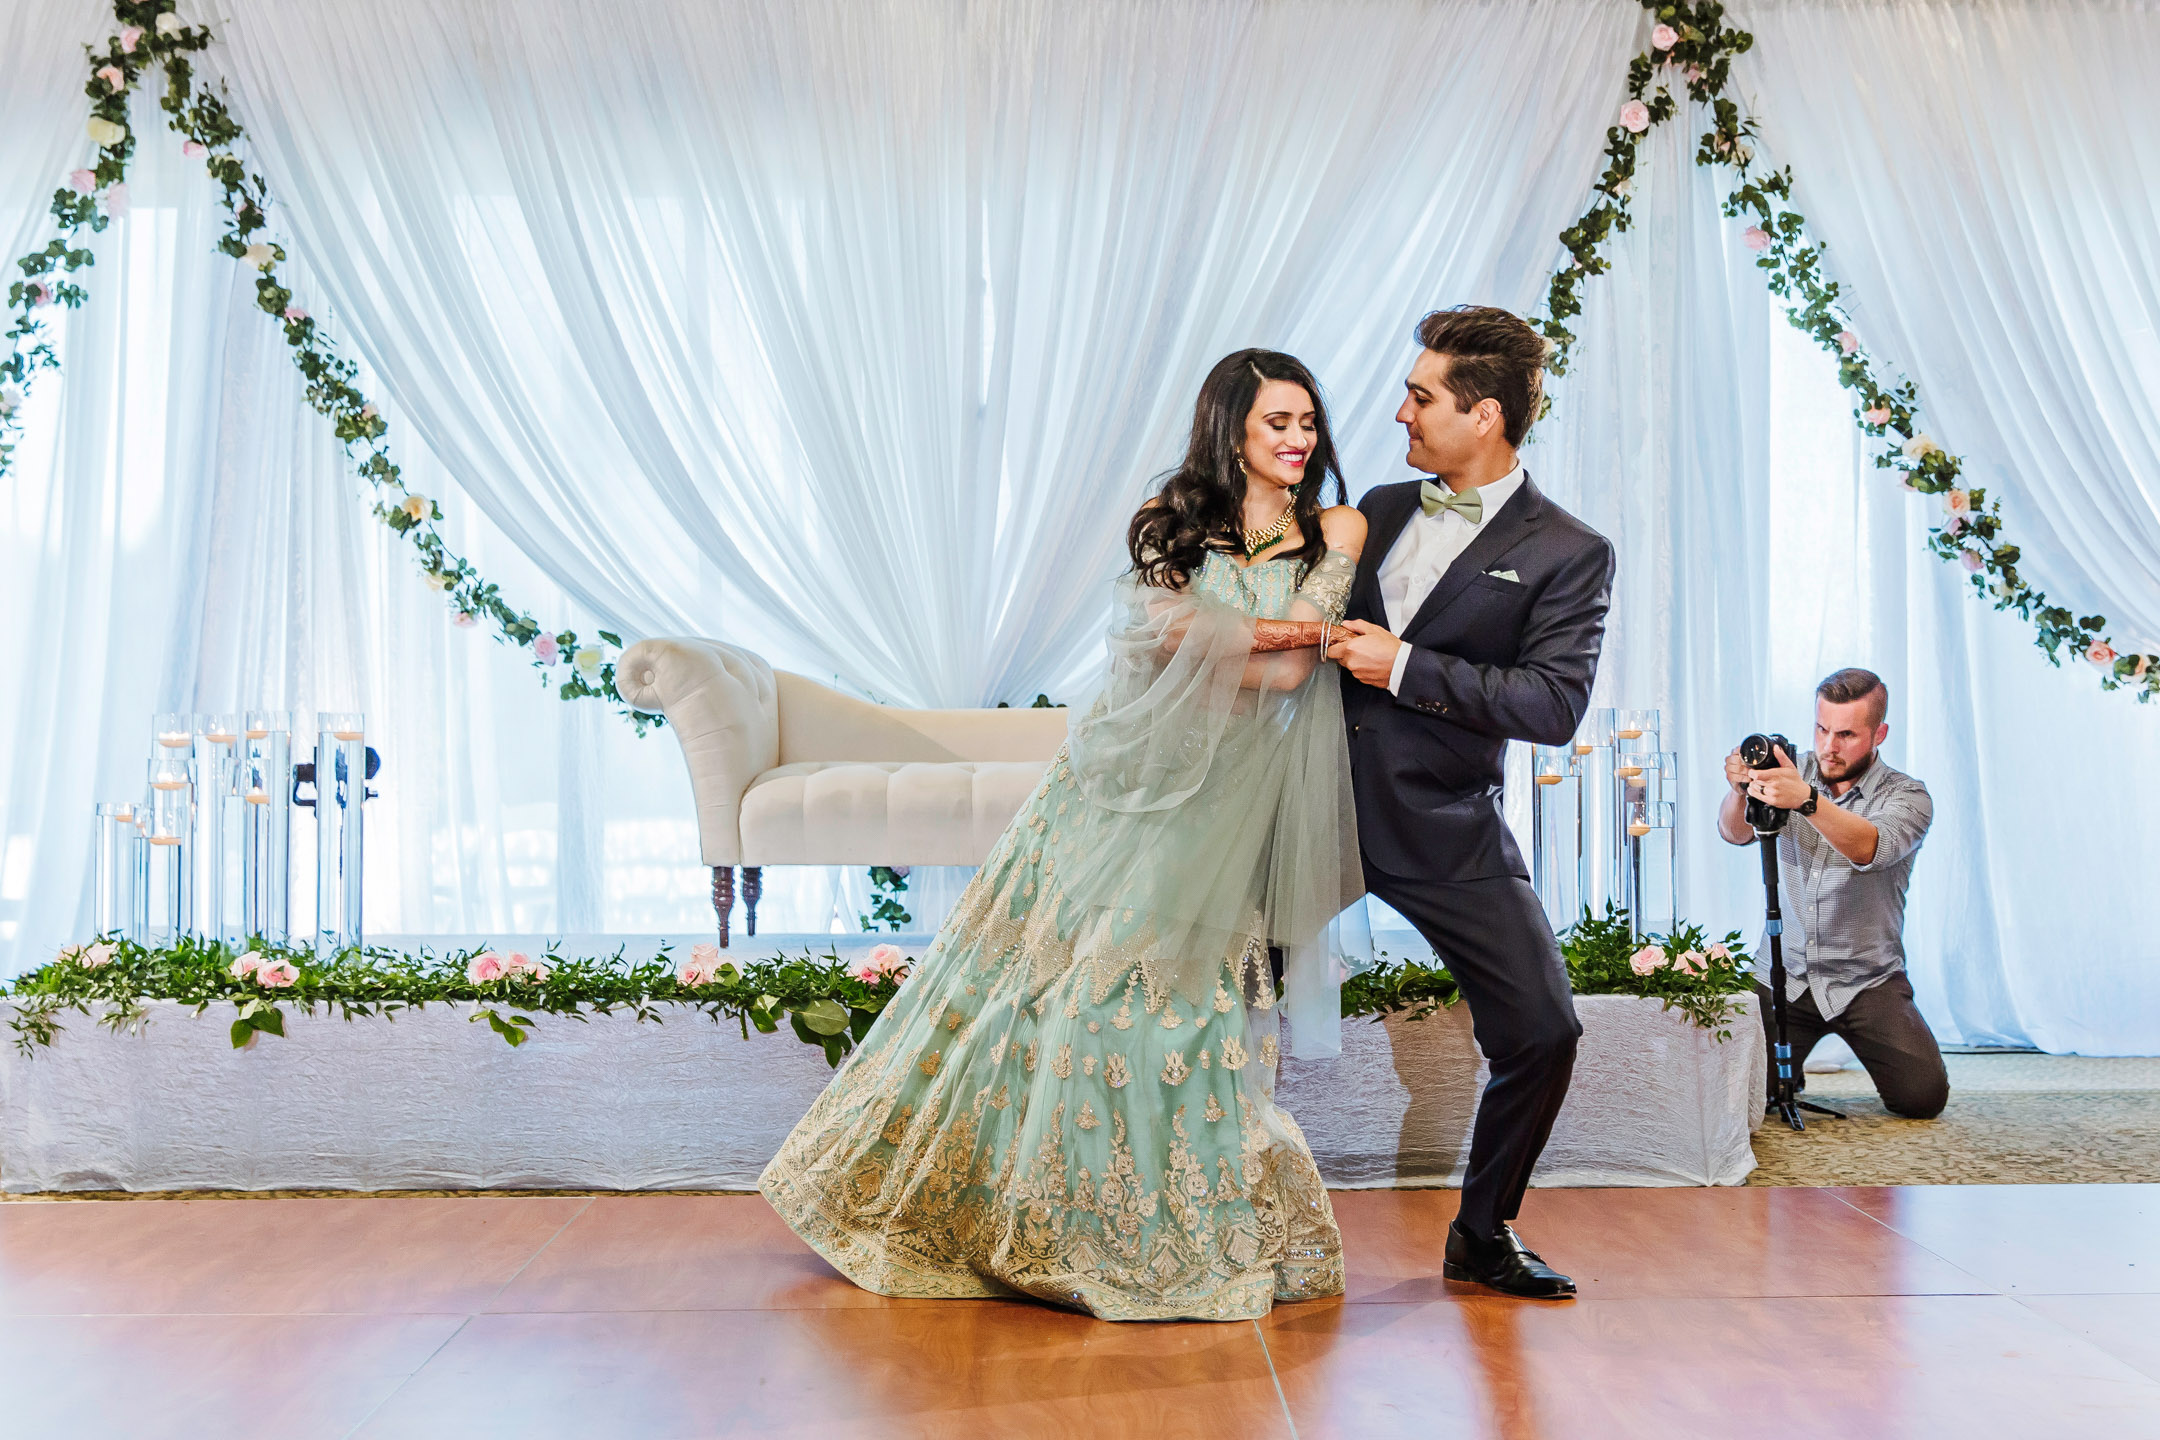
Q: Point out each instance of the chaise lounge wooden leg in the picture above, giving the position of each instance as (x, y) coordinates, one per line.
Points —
(723, 897)
(753, 885)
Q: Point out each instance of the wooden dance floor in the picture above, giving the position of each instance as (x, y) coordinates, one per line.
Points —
(2028, 1311)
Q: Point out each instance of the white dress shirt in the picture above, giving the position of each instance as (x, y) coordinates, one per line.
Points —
(1422, 554)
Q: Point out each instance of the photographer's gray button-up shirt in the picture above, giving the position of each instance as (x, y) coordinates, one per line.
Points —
(1845, 923)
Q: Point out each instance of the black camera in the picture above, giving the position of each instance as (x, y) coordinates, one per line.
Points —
(1756, 753)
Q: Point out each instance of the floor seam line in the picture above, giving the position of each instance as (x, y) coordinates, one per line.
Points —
(489, 1307)
(1914, 1241)
(1280, 1398)
(376, 1408)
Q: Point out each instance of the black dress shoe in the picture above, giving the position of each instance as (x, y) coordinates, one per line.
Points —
(1504, 1264)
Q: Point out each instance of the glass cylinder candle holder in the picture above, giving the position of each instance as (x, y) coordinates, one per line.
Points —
(215, 858)
(172, 730)
(1657, 883)
(1664, 777)
(264, 788)
(340, 792)
(1598, 856)
(113, 869)
(1555, 817)
(168, 910)
(1635, 725)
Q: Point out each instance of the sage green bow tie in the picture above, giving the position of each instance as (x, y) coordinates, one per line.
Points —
(1436, 498)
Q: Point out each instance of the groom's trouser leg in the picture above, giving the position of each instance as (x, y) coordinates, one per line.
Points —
(1493, 937)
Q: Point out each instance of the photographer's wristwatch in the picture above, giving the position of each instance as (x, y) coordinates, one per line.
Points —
(1807, 807)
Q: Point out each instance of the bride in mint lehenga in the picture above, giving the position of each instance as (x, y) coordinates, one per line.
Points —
(1072, 1098)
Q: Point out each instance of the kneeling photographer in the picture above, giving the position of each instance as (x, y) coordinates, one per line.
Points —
(1845, 857)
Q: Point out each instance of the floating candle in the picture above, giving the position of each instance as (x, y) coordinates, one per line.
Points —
(1637, 827)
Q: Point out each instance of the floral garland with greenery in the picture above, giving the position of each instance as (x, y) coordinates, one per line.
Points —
(150, 36)
(828, 1002)
(1691, 50)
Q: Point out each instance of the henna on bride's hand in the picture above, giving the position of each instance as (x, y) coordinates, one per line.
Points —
(1269, 635)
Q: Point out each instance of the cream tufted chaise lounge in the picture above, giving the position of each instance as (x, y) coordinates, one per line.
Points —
(785, 771)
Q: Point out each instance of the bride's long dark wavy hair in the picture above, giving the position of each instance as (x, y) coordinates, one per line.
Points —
(1200, 505)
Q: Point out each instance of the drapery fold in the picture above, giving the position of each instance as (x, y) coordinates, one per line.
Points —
(860, 327)
(1985, 176)
(884, 311)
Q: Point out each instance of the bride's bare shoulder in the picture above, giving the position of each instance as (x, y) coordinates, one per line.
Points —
(1343, 527)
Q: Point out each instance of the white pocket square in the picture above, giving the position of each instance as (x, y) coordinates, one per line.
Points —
(1508, 575)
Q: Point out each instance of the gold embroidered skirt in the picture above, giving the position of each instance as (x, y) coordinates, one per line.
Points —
(1032, 1115)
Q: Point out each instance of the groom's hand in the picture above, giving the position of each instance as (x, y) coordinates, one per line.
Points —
(1368, 652)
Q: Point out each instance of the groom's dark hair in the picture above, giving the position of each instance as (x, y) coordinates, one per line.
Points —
(1492, 355)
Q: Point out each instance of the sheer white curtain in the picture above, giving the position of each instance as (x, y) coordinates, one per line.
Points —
(1986, 175)
(181, 532)
(884, 313)
(1759, 549)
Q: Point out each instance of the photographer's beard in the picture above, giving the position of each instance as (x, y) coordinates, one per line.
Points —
(1841, 770)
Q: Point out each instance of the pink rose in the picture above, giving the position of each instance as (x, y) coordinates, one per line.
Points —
(1664, 37)
(1635, 116)
(2100, 653)
(245, 965)
(1719, 953)
(116, 200)
(82, 182)
(464, 620)
(130, 37)
(276, 973)
(40, 293)
(702, 965)
(524, 967)
(546, 650)
(1690, 962)
(1957, 502)
(90, 957)
(113, 76)
(2138, 670)
(1694, 74)
(484, 967)
(882, 960)
(1757, 238)
(295, 314)
(1970, 559)
(1646, 960)
(1954, 525)
(1880, 415)
(194, 149)
(1847, 342)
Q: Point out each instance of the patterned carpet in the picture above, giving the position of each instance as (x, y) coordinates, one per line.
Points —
(2013, 1119)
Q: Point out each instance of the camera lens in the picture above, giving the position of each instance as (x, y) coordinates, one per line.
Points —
(1756, 754)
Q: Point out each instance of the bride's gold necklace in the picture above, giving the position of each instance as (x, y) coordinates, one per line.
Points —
(1259, 540)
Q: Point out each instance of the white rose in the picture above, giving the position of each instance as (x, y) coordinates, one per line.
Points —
(588, 661)
(104, 133)
(170, 24)
(257, 255)
(1920, 447)
(10, 399)
(435, 579)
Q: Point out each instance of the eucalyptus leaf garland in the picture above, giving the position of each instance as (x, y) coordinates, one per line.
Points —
(1690, 54)
(151, 37)
(827, 1002)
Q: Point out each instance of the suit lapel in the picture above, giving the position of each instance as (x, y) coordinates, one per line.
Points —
(1396, 508)
(1494, 539)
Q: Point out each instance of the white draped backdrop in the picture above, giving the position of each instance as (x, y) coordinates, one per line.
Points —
(853, 332)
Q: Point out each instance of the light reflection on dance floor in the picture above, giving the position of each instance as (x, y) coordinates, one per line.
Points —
(1959, 1310)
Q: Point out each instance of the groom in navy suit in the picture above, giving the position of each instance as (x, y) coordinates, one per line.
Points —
(1477, 615)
